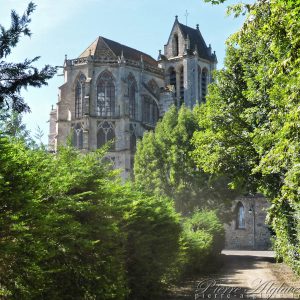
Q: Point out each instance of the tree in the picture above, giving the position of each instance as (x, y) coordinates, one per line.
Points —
(13, 127)
(15, 76)
(250, 124)
(59, 239)
(163, 165)
(153, 241)
(70, 230)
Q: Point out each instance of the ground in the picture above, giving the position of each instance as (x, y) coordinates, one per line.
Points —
(243, 275)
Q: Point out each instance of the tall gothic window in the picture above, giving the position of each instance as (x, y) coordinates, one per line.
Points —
(240, 216)
(77, 139)
(204, 85)
(133, 109)
(150, 111)
(199, 84)
(172, 75)
(79, 96)
(106, 95)
(181, 86)
(175, 45)
(106, 133)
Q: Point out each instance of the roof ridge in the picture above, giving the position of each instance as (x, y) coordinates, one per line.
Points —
(103, 39)
(196, 40)
(188, 26)
(128, 47)
(96, 40)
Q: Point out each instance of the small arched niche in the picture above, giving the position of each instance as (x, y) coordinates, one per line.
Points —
(240, 216)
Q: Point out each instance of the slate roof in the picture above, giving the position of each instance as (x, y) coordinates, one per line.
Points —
(108, 48)
(196, 39)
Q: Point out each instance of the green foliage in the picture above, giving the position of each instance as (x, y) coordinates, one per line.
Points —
(12, 126)
(59, 239)
(163, 164)
(152, 230)
(250, 124)
(15, 76)
(70, 230)
(204, 239)
(214, 2)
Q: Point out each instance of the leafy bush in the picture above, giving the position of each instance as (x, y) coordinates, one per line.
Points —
(153, 230)
(58, 237)
(70, 230)
(204, 240)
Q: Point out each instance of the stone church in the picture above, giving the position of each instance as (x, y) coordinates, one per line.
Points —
(115, 93)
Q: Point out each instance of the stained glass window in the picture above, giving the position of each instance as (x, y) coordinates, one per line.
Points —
(79, 96)
(106, 133)
(181, 86)
(77, 139)
(172, 74)
(133, 108)
(150, 111)
(199, 84)
(175, 45)
(105, 95)
(204, 85)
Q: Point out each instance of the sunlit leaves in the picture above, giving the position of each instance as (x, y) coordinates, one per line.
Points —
(251, 120)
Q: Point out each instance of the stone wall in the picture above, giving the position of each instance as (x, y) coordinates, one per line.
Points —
(255, 234)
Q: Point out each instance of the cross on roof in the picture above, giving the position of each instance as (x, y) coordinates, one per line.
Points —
(186, 17)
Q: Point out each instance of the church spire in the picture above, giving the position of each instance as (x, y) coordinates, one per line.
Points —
(159, 55)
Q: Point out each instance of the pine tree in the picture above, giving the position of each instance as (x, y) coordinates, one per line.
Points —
(15, 76)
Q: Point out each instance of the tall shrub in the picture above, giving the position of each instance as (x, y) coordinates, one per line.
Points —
(153, 241)
(204, 238)
(59, 239)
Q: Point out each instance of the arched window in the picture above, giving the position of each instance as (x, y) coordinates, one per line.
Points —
(204, 85)
(181, 86)
(77, 139)
(79, 96)
(106, 133)
(240, 216)
(132, 87)
(199, 84)
(175, 45)
(150, 111)
(106, 95)
(172, 75)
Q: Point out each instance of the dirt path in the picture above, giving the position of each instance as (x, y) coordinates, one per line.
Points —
(244, 275)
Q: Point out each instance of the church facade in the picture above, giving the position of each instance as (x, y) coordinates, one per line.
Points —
(114, 93)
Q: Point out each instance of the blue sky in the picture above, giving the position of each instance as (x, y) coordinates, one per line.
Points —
(69, 26)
